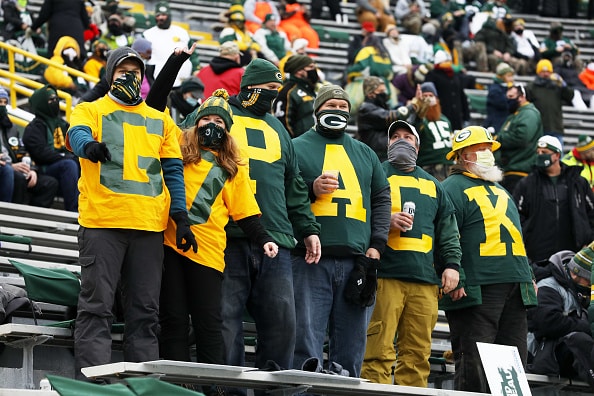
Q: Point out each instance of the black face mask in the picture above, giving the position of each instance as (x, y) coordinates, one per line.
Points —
(257, 100)
(381, 100)
(519, 31)
(53, 106)
(102, 53)
(4, 120)
(115, 29)
(313, 77)
(211, 135)
(126, 89)
(332, 123)
(513, 105)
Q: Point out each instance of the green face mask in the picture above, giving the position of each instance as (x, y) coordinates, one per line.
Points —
(544, 160)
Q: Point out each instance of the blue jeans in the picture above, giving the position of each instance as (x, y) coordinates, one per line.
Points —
(67, 172)
(6, 182)
(322, 309)
(265, 287)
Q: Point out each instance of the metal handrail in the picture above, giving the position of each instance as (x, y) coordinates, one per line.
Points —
(12, 77)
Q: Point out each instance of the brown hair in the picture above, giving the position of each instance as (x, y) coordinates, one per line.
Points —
(228, 156)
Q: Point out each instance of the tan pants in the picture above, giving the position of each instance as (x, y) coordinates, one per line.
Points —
(380, 22)
(408, 310)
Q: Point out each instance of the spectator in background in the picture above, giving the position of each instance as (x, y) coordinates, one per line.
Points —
(373, 60)
(559, 327)
(560, 337)
(409, 278)
(558, 190)
(274, 44)
(556, 44)
(96, 62)
(411, 14)
(30, 186)
(398, 50)
(375, 116)
(299, 47)
(333, 7)
(237, 32)
(568, 71)
(518, 137)
(454, 103)
(145, 50)
(500, 46)
(165, 37)
(252, 280)
(192, 281)
(549, 93)
(407, 83)
(375, 11)
(67, 53)
(497, 281)
(353, 237)
(295, 22)
(587, 78)
(496, 8)
(44, 140)
(116, 36)
(255, 12)
(527, 46)
(64, 18)
(497, 106)
(360, 40)
(223, 71)
(185, 99)
(583, 155)
(16, 18)
(444, 10)
(435, 132)
(294, 104)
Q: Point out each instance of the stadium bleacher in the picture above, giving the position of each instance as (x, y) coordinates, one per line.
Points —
(53, 232)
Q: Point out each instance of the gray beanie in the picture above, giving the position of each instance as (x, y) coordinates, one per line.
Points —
(117, 56)
(328, 92)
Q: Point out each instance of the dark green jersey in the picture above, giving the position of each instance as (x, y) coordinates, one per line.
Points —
(279, 189)
(346, 214)
(436, 141)
(490, 231)
(409, 255)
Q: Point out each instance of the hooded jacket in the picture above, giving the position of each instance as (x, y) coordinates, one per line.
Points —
(518, 138)
(44, 136)
(555, 216)
(558, 311)
(549, 96)
(221, 73)
(56, 77)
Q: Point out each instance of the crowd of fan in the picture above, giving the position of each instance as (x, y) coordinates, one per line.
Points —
(405, 88)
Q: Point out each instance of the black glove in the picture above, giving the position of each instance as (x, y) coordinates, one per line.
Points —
(184, 232)
(367, 296)
(96, 151)
(355, 284)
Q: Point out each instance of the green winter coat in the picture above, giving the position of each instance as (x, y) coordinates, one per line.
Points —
(518, 138)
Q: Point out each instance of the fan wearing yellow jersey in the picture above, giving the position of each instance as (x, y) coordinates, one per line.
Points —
(131, 182)
(217, 187)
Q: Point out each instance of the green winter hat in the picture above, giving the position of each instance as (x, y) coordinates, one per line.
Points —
(217, 104)
(584, 143)
(297, 62)
(581, 263)
(260, 71)
(162, 7)
(328, 92)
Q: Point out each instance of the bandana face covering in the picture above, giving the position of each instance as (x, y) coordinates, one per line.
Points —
(257, 100)
(332, 123)
(402, 155)
(126, 89)
(211, 135)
